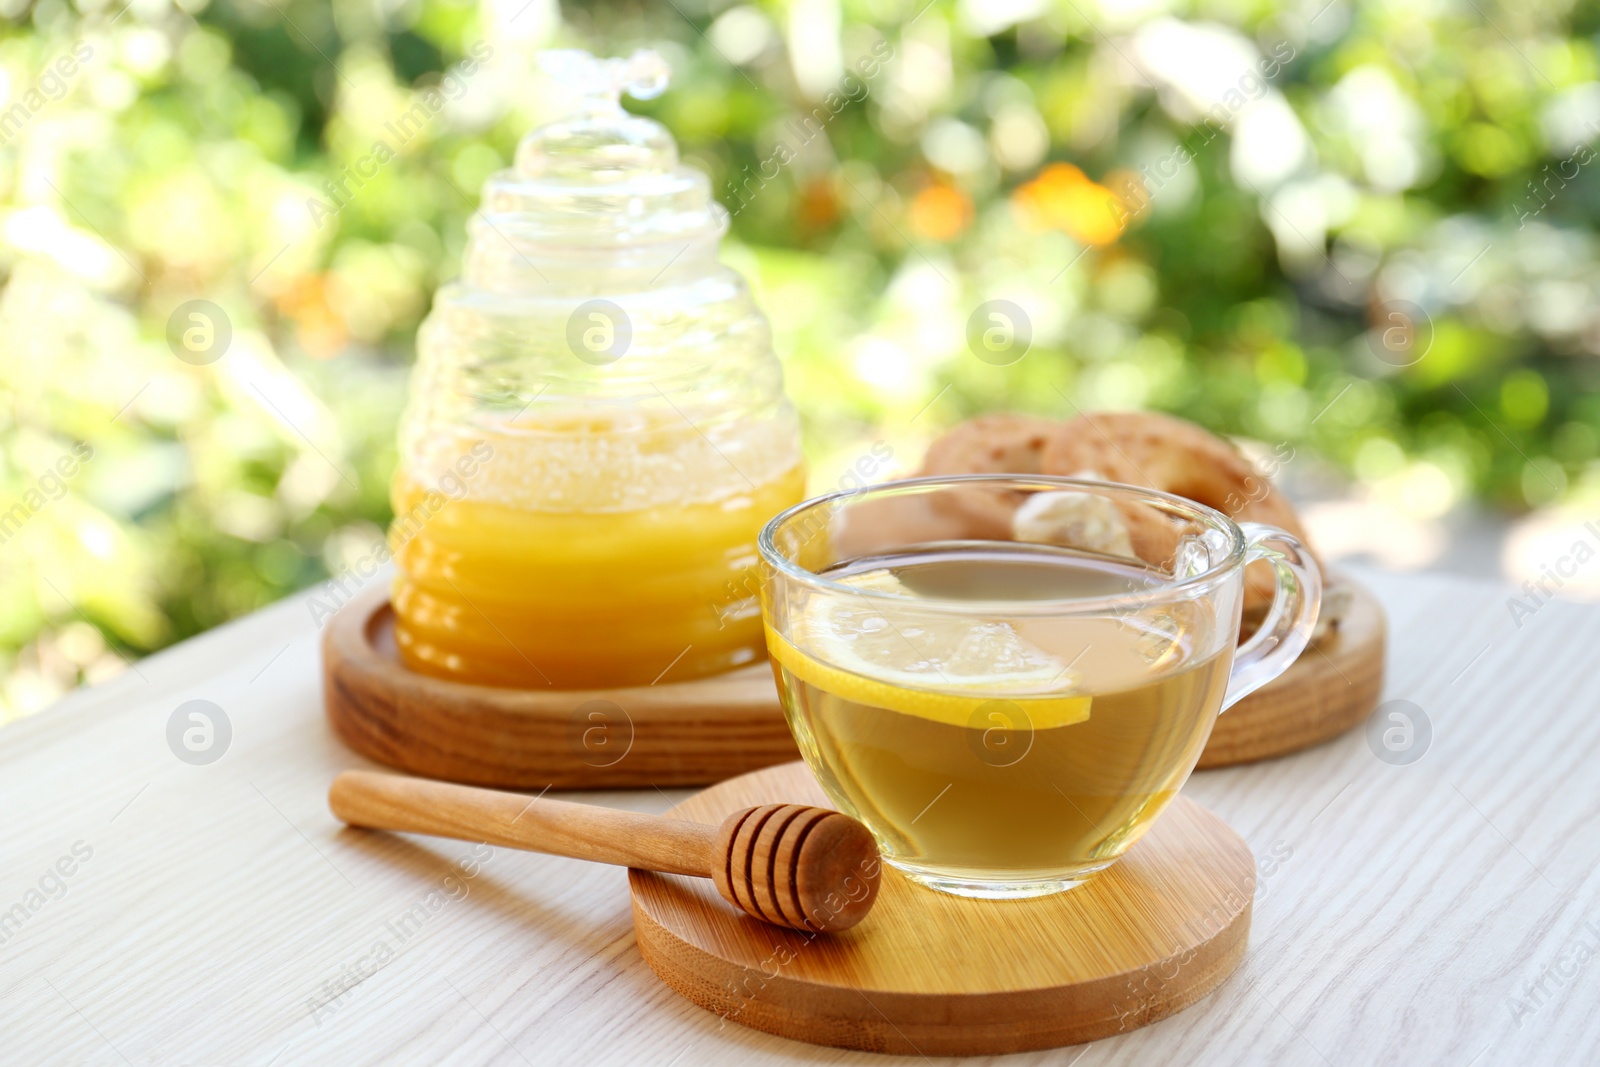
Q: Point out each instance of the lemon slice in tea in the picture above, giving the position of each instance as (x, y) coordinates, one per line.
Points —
(943, 668)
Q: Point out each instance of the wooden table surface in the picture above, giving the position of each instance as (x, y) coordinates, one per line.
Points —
(152, 911)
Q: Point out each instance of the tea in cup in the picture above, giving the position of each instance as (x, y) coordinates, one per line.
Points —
(1008, 717)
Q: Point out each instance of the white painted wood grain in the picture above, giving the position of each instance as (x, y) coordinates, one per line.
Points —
(1415, 909)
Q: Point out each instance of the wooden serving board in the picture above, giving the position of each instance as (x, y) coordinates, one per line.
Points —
(936, 975)
(688, 733)
(694, 733)
(1333, 686)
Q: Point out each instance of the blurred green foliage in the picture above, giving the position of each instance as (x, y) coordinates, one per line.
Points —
(1356, 227)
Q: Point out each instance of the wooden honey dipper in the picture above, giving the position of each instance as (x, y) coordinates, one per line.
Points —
(792, 865)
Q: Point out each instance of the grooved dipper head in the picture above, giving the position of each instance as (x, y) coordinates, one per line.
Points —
(797, 866)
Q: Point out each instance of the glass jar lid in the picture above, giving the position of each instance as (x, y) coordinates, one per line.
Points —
(602, 178)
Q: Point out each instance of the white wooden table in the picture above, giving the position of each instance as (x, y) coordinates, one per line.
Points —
(1442, 912)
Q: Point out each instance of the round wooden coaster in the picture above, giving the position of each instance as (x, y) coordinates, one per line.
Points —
(693, 733)
(688, 733)
(936, 975)
(1334, 685)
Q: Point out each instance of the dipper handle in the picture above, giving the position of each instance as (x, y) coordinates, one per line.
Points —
(538, 824)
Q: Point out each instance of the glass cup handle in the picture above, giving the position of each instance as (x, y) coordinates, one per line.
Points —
(1287, 628)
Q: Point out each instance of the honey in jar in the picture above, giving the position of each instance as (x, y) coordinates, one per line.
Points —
(597, 429)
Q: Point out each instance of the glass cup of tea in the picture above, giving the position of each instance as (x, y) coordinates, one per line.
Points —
(1008, 678)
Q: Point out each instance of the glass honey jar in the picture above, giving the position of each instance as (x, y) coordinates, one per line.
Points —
(596, 430)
